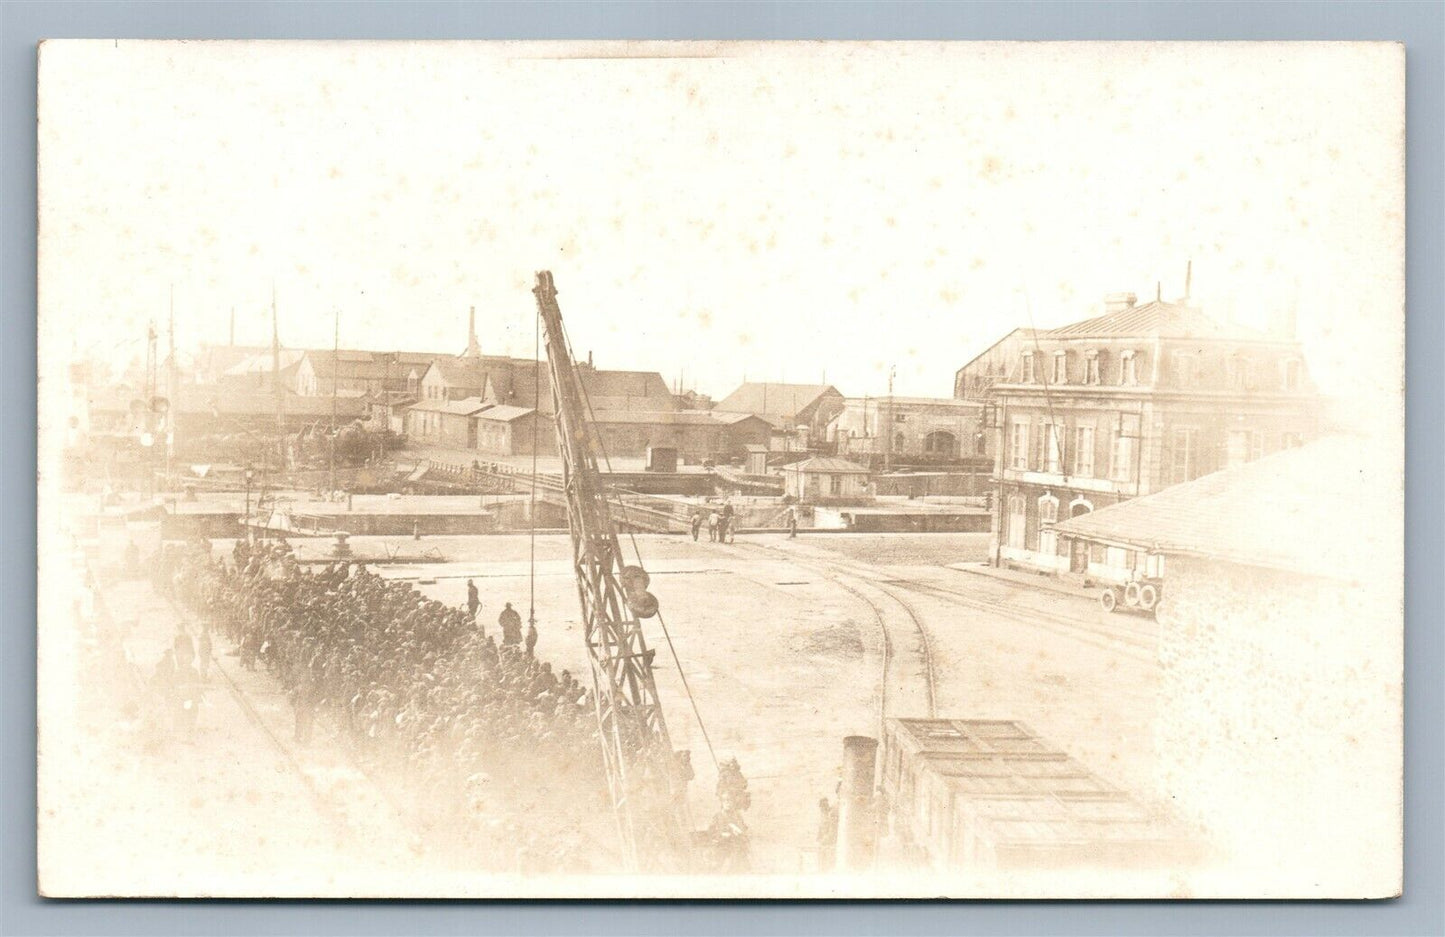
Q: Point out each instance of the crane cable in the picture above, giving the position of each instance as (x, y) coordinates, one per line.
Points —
(632, 536)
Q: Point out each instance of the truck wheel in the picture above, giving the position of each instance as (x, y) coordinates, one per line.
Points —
(1108, 599)
(1131, 594)
(1148, 596)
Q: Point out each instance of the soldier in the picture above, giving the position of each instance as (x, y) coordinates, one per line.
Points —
(511, 624)
(474, 600)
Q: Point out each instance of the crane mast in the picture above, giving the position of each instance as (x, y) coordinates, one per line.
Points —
(647, 788)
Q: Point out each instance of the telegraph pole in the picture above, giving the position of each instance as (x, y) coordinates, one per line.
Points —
(888, 431)
(335, 360)
(171, 403)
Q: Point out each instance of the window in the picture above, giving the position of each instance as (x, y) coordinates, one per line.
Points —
(1051, 447)
(1290, 374)
(1048, 516)
(1018, 449)
(1092, 368)
(1084, 451)
(1186, 368)
(1241, 375)
(1128, 368)
(835, 484)
(1183, 454)
(1126, 440)
(1291, 441)
(980, 443)
(1061, 368)
(1028, 368)
(1048, 509)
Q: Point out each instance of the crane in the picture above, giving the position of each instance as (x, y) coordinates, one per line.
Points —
(645, 776)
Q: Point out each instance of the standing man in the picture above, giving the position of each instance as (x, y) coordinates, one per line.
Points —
(712, 526)
(531, 637)
(696, 524)
(511, 624)
(725, 523)
(474, 601)
(792, 523)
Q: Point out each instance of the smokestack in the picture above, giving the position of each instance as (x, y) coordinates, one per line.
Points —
(1188, 279)
(474, 347)
(855, 804)
(589, 357)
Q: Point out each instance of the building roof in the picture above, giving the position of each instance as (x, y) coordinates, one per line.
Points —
(623, 383)
(367, 365)
(1020, 333)
(464, 407)
(1330, 508)
(829, 465)
(1154, 319)
(775, 399)
(261, 363)
(461, 372)
(502, 413)
(673, 417)
(886, 401)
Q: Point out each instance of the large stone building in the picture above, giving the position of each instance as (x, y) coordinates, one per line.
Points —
(1280, 639)
(1124, 404)
(910, 430)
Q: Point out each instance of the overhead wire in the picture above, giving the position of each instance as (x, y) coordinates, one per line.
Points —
(632, 537)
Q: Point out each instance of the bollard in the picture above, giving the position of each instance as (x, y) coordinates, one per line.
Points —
(855, 804)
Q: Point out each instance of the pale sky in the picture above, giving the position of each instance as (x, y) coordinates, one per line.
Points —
(783, 212)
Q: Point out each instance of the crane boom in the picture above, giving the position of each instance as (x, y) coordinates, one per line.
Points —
(647, 789)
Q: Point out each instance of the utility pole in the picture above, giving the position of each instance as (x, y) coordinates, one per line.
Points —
(335, 357)
(148, 439)
(888, 430)
(171, 402)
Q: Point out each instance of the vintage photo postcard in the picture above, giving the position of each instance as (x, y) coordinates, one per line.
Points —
(663, 470)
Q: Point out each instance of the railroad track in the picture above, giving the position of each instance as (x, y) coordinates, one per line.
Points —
(890, 656)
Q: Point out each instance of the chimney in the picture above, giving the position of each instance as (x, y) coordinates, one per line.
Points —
(589, 357)
(474, 348)
(1118, 302)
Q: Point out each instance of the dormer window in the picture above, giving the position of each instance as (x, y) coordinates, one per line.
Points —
(1290, 374)
(1092, 367)
(1240, 372)
(1128, 368)
(1186, 368)
(1061, 368)
(1028, 368)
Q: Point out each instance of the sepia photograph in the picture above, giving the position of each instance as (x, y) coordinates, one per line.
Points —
(668, 470)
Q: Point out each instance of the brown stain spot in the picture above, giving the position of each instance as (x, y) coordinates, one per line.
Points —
(826, 240)
(744, 338)
(935, 183)
(992, 168)
(948, 296)
(978, 263)
(334, 172)
(790, 151)
(891, 221)
(704, 319)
